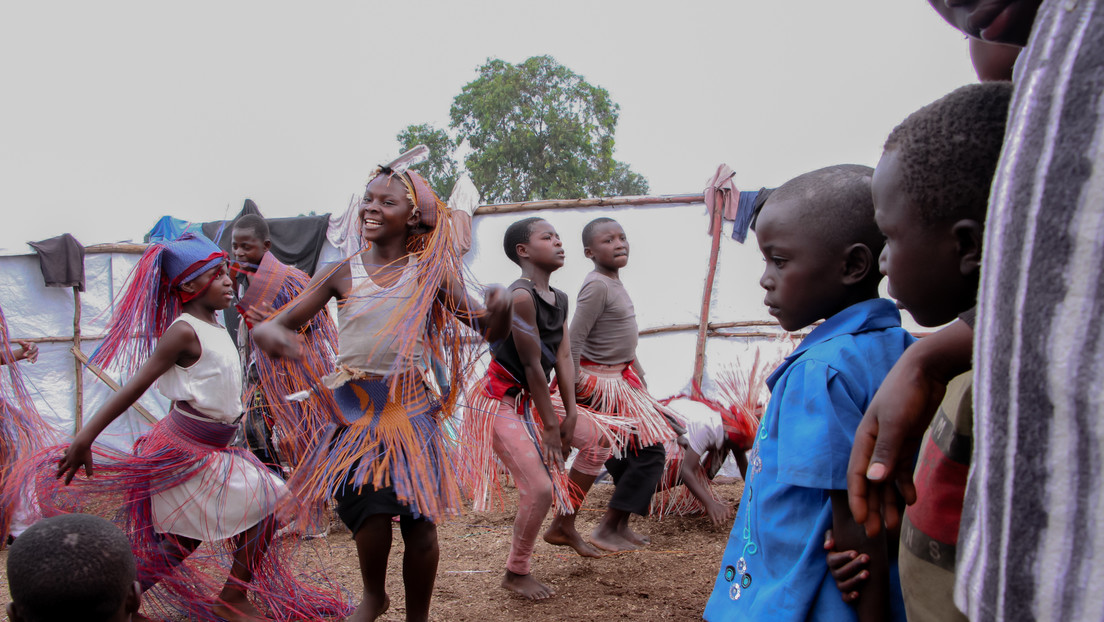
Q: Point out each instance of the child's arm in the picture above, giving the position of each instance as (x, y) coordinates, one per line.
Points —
(492, 318)
(890, 432)
(873, 602)
(278, 336)
(565, 377)
(697, 482)
(848, 568)
(528, 345)
(588, 306)
(179, 345)
(27, 351)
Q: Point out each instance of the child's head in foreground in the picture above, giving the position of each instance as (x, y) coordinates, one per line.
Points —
(820, 243)
(534, 241)
(72, 567)
(931, 191)
(251, 240)
(605, 243)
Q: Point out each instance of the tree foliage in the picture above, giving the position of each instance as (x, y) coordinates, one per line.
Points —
(537, 130)
(441, 170)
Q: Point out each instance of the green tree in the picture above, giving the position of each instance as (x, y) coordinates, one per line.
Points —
(538, 130)
(441, 169)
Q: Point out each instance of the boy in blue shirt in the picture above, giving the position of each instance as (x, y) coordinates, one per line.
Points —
(821, 245)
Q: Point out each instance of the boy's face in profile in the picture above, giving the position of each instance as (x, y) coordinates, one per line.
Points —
(608, 247)
(544, 248)
(921, 260)
(803, 278)
(248, 250)
(997, 21)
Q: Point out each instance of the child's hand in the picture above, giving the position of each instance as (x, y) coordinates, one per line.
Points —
(848, 568)
(567, 433)
(278, 341)
(719, 512)
(259, 313)
(553, 448)
(890, 432)
(28, 351)
(76, 455)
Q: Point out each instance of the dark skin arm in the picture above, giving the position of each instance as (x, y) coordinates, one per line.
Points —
(279, 336)
(565, 369)
(178, 346)
(890, 432)
(528, 347)
(873, 603)
(697, 482)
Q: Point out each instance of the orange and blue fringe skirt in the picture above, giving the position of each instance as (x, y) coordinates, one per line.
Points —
(390, 436)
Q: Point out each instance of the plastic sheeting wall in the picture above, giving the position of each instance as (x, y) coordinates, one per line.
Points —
(34, 310)
(665, 276)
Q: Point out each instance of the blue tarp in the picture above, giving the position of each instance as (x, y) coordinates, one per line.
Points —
(169, 228)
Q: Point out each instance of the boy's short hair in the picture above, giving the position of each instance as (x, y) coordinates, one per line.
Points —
(518, 233)
(70, 567)
(948, 151)
(254, 223)
(838, 203)
(588, 230)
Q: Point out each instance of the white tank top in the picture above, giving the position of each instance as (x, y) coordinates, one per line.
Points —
(213, 384)
(364, 339)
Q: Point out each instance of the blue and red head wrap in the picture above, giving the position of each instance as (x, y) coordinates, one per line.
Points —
(153, 298)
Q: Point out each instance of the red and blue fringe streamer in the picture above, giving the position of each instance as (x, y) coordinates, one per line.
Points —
(121, 490)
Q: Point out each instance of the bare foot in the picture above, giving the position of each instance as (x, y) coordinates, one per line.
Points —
(527, 586)
(565, 534)
(238, 610)
(369, 609)
(610, 541)
(632, 536)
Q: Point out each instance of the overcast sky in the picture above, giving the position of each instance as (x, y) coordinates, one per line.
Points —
(116, 113)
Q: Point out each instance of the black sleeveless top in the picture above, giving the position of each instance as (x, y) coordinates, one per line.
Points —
(550, 325)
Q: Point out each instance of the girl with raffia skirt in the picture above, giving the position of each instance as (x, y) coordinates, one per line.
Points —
(183, 485)
(401, 303)
(22, 431)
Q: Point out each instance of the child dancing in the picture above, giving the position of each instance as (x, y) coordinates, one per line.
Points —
(400, 303)
(183, 485)
(22, 431)
(610, 380)
(500, 414)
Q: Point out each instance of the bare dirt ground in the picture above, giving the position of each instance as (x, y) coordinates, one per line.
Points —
(668, 580)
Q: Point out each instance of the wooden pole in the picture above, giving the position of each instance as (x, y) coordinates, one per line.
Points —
(534, 206)
(78, 417)
(714, 251)
(99, 373)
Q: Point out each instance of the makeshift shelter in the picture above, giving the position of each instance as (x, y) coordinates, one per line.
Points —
(675, 243)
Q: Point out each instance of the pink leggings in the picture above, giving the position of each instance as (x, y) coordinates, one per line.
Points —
(516, 450)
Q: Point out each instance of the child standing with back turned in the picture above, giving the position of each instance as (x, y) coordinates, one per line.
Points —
(400, 303)
(818, 237)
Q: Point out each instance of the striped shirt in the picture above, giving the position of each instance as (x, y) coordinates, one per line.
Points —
(1032, 526)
